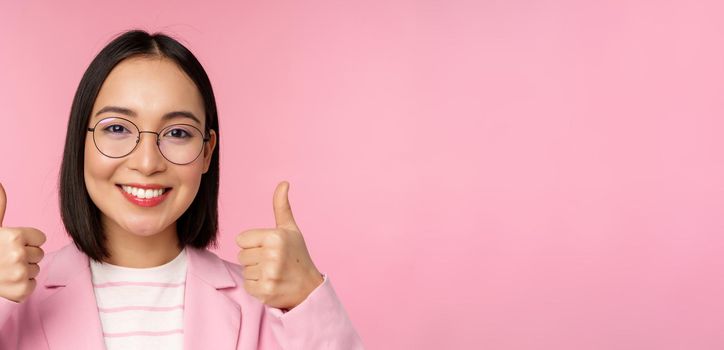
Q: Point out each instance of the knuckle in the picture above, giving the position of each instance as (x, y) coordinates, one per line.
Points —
(274, 238)
(18, 275)
(272, 274)
(18, 292)
(273, 254)
(28, 288)
(18, 255)
(14, 235)
(269, 288)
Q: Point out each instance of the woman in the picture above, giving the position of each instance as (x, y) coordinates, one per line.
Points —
(138, 195)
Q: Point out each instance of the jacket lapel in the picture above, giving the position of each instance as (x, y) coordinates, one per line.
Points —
(211, 319)
(69, 313)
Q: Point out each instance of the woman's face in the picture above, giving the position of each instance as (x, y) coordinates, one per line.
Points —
(148, 89)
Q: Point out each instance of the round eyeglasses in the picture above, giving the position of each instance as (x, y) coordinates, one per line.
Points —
(117, 137)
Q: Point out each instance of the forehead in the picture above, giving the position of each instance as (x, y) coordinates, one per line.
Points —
(151, 87)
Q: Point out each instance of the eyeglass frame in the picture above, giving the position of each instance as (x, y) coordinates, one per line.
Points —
(205, 139)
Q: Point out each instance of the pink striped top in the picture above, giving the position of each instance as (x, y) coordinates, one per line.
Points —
(141, 308)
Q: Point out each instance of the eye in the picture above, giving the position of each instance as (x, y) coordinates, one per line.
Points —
(116, 129)
(178, 133)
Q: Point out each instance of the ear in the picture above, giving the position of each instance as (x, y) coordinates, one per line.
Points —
(209, 150)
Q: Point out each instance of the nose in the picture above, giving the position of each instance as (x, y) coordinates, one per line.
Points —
(147, 158)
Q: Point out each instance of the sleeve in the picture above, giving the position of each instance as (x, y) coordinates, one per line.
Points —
(8, 323)
(319, 322)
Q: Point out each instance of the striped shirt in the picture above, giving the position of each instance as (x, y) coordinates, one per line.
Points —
(141, 308)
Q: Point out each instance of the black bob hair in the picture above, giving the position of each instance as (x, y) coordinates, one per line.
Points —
(198, 226)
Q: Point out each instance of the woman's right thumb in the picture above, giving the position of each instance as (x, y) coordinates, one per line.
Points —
(3, 204)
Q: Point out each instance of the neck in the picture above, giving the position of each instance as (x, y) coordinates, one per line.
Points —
(131, 250)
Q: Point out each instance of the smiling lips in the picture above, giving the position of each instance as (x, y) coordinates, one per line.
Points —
(144, 195)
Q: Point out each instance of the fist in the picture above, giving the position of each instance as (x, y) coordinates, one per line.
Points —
(20, 254)
(275, 263)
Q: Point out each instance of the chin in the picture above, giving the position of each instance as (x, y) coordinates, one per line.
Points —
(144, 227)
(144, 232)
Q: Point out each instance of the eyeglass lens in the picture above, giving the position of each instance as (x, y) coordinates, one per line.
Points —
(118, 137)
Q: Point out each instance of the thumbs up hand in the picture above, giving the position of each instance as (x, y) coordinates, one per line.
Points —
(276, 265)
(20, 254)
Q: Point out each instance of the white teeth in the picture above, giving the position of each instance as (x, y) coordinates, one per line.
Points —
(142, 193)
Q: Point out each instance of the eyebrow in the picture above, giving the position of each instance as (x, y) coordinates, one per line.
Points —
(131, 113)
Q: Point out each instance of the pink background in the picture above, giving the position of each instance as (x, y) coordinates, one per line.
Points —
(471, 174)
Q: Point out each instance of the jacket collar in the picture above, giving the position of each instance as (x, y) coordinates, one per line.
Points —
(203, 264)
(70, 318)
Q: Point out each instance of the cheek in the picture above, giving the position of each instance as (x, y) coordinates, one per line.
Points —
(96, 167)
(191, 177)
